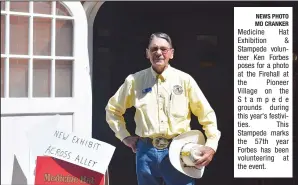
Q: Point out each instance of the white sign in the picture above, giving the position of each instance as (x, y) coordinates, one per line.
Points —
(86, 152)
(71, 147)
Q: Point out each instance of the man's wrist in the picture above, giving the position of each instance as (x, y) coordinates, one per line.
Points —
(213, 144)
(211, 149)
(123, 134)
(124, 138)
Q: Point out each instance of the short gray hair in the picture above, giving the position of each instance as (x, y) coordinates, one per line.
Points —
(161, 35)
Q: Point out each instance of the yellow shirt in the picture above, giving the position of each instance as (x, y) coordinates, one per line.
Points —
(163, 105)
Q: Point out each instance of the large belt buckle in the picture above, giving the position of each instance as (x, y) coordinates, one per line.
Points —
(160, 143)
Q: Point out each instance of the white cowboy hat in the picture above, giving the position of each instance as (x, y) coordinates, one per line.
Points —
(184, 150)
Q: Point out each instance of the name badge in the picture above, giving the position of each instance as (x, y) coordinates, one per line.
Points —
(147, 90)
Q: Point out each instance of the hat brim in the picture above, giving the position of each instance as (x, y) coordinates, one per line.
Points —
(193, 136)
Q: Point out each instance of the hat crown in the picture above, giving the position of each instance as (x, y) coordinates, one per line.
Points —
(190, 153)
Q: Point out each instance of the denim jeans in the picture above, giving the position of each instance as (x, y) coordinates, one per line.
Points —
(153, 167)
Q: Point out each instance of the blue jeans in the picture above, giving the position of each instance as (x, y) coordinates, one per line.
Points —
(153, 167)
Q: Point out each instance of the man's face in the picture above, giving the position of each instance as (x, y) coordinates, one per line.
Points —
(159, 53)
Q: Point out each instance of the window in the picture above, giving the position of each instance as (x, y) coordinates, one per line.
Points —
(36, 50)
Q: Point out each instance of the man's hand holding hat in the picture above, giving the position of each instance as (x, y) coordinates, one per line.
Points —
(207, 156)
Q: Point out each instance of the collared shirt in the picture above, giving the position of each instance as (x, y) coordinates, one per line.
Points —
(163, 103)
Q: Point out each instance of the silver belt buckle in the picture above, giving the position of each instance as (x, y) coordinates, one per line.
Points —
(160, 143)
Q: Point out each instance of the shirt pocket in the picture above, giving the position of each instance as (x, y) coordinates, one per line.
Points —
(178, 105)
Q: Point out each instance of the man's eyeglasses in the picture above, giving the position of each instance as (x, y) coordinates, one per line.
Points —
(163, 50)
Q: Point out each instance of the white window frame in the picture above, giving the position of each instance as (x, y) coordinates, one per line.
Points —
(30, 55)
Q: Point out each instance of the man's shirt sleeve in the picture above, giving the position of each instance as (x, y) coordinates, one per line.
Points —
(201, 108)
(116, 107)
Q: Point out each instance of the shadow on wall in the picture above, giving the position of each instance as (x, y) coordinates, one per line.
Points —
(18, 176)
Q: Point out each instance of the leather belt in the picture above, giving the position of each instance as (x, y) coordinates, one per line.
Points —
(157, 142)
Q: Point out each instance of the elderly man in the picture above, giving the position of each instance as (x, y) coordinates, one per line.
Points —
(164, 98)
